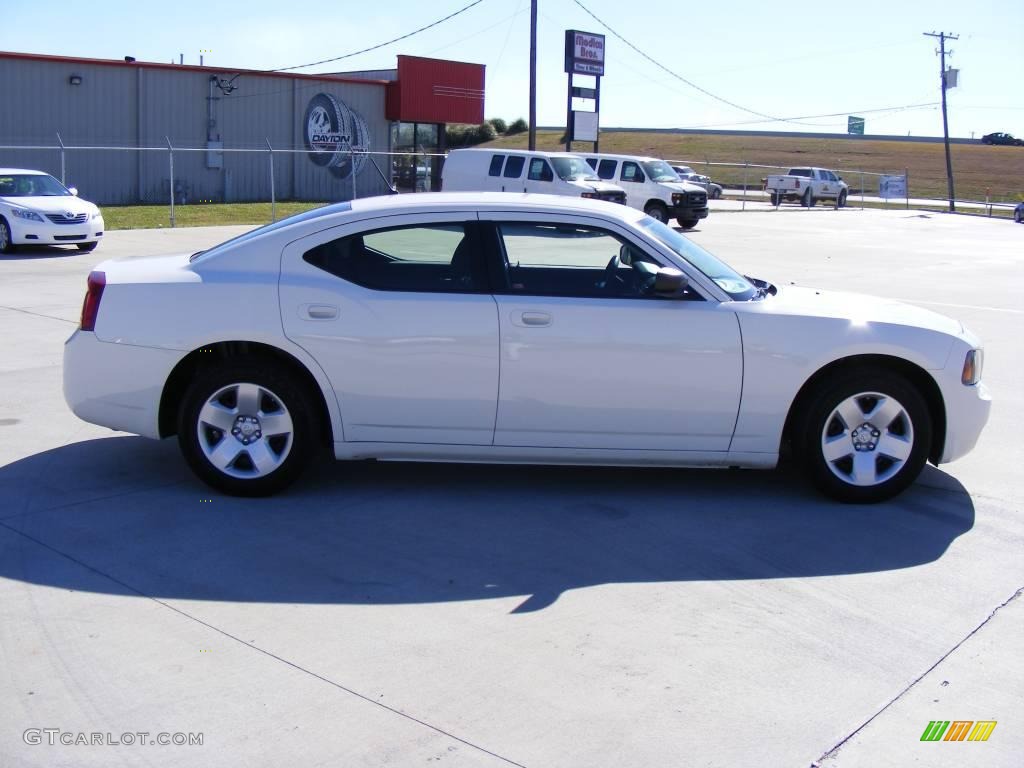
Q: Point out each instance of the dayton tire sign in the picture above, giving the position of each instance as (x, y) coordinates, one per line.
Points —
(332, 132)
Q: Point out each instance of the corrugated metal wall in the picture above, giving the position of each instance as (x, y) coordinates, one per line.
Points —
(131, 106)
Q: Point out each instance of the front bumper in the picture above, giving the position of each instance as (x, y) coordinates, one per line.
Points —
(45, 233)
(116, 385)
(967, 412)
(688, 212)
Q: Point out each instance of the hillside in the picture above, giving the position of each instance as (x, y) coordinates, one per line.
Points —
(977, 168)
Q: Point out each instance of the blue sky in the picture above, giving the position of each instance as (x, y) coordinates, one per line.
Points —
(787, 60)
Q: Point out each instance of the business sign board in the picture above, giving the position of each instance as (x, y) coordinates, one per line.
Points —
(855, 125)
(892, 186)
(334, 136)
(584, 126)
(584, 53)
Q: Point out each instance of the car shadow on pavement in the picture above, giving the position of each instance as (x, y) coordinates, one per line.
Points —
(123, 515)
(26, 252)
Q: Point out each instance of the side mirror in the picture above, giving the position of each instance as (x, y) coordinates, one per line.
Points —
(670, 283)
(626, 255)
(73, 191)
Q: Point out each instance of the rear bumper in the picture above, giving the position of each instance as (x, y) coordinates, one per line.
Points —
(116, 385)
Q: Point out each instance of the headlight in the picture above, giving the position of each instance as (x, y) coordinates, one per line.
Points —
(677, 198)
(21, 213)
(972, 367)
(95, 214)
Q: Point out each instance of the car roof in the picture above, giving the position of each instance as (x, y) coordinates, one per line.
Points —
(610, 156)
(513, 151)
(487, 201)
(22, 171)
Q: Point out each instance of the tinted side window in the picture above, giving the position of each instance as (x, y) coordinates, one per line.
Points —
(606, 169)
(540, 170)
(576, 261)
(496, 161)
(631, 172)
(514, 166)
(592, 162)
(430, 258)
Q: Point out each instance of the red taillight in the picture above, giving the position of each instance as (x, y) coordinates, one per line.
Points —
(91, 305)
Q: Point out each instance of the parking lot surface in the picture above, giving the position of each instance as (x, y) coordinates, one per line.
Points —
(399, 614)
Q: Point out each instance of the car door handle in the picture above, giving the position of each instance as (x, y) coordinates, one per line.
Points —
(321, 311)
(533, 319)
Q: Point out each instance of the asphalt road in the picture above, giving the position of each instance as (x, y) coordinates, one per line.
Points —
(400, 614)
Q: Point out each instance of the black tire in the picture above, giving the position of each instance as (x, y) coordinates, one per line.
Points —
(687, 223)
(776, 199)
(6, 245)
(911, 429)
(716, 194)
(842, 199)
(87, 246)
(1018, 217)
(658, 211)
(277, 390)
(808, 201)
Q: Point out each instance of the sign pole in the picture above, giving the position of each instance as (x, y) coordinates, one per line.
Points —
(533, 76)
(597, 111)
(568, 116)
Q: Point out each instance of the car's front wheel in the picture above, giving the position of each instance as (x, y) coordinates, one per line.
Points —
(842, 199)
(687, 223)
(6, 242)
(864, 438)
(245, 429)
(87, 246)
(657, 211)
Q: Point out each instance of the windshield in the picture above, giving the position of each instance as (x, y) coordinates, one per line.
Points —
(725, 277)
(573, 169)
(304, 216)
(659, 170)
(31, 185)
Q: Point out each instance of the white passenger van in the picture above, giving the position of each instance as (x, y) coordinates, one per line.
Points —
(501, 170)
(653, 187)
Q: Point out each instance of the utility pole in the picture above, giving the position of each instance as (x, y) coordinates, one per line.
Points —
(943, 36)
(533, 74)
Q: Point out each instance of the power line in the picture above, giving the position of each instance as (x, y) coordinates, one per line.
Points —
(903, 108)
(379, 45)
(661, 66)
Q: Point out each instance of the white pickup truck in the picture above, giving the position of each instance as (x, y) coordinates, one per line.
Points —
(807, 186)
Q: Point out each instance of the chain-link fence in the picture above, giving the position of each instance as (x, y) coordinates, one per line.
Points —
(174, 176)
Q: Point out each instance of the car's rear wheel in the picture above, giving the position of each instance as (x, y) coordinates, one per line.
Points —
(776, 199)
(864, 438)
(657, 211)
(245, 429)
(6, 242)
(808, 199)
(687, 223)
(87, 246)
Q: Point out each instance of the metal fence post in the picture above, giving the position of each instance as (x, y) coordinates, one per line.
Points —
(862, 190)
(63, 179)
(906, 185)
(170, 156)
(746, 166)
(352, 162)
(273, 197)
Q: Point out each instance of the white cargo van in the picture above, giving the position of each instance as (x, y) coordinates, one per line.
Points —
(499, 170)
(653, 187)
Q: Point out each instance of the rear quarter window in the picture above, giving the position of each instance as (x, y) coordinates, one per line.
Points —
(514, 166)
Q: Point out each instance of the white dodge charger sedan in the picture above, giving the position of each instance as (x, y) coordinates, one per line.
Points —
(512, 328)
(36, 209)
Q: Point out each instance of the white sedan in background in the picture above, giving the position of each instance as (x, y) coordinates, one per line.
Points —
(36, 209)
(512, 328)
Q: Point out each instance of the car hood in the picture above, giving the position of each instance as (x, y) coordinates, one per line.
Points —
(596, 186)
(681, 186)
(51, 204)
(857, 307)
